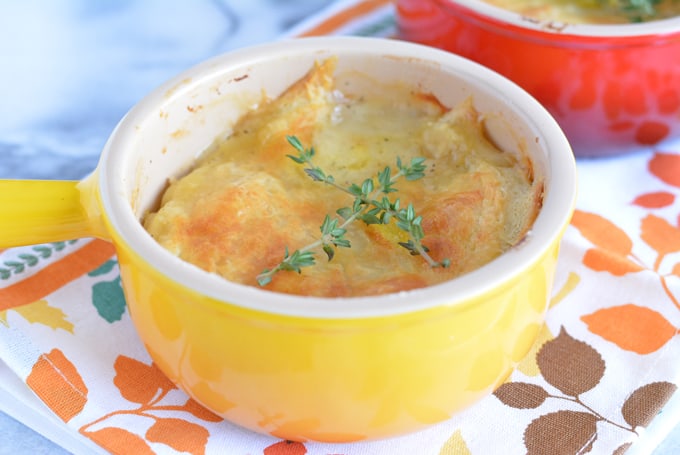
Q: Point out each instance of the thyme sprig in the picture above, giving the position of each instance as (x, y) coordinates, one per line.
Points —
(636, 10)
(367, 206)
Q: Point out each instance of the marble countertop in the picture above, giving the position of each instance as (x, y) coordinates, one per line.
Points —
(72, 68)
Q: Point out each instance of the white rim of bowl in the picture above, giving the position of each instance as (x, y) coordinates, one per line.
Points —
(658, 28)
(558, 202)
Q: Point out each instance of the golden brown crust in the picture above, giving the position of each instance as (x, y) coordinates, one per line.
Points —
(589, 11)
(246, 202)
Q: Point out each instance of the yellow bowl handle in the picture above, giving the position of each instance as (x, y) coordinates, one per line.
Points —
(40, 211)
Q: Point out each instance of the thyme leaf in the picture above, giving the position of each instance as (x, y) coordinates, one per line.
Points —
(635, 10)
(367, 206)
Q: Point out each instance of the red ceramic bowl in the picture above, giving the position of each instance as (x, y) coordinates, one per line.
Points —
(612, 88)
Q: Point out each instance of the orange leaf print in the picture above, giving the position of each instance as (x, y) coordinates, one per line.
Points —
(676, 269)
(666, 166)
(602, 232)
(179, 434)
(56, 275)
(631, 327)
(57, 382)
(650, 133)
(660, 234)
(605, 261)
(635, 101)
(655, 200)
(286, 448)
(139, 382)
(120, 442)
(341, 18)
(194, 407)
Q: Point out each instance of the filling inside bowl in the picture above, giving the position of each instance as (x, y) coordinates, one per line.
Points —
(592, 11)
(400, 192)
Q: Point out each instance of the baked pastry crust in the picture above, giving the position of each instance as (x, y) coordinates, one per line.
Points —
(559, 13)
(245, 201)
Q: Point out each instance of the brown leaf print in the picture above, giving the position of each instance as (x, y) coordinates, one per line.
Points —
(622, 449)
(561, 432)
(574, 367)
(139, 382)
(58, 384)
(666, 166)
(570, 365)
(521, 395)
(660, 235)
(179, 434)
(644, 403)
(631, 327)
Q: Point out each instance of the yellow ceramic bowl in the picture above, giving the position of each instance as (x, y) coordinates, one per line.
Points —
(310, 368)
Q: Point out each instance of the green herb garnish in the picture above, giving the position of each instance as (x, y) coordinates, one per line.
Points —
(366, 207)
(635, 10)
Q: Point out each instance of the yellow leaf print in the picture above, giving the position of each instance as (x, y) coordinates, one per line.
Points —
(40, 312)
(572, 281)
(455, 445)
(528, 365)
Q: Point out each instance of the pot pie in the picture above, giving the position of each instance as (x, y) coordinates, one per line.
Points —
(592, 11)
(245, 202)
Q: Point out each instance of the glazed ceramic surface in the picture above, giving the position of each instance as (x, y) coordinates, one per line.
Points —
(612, 88)
(311, 368)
